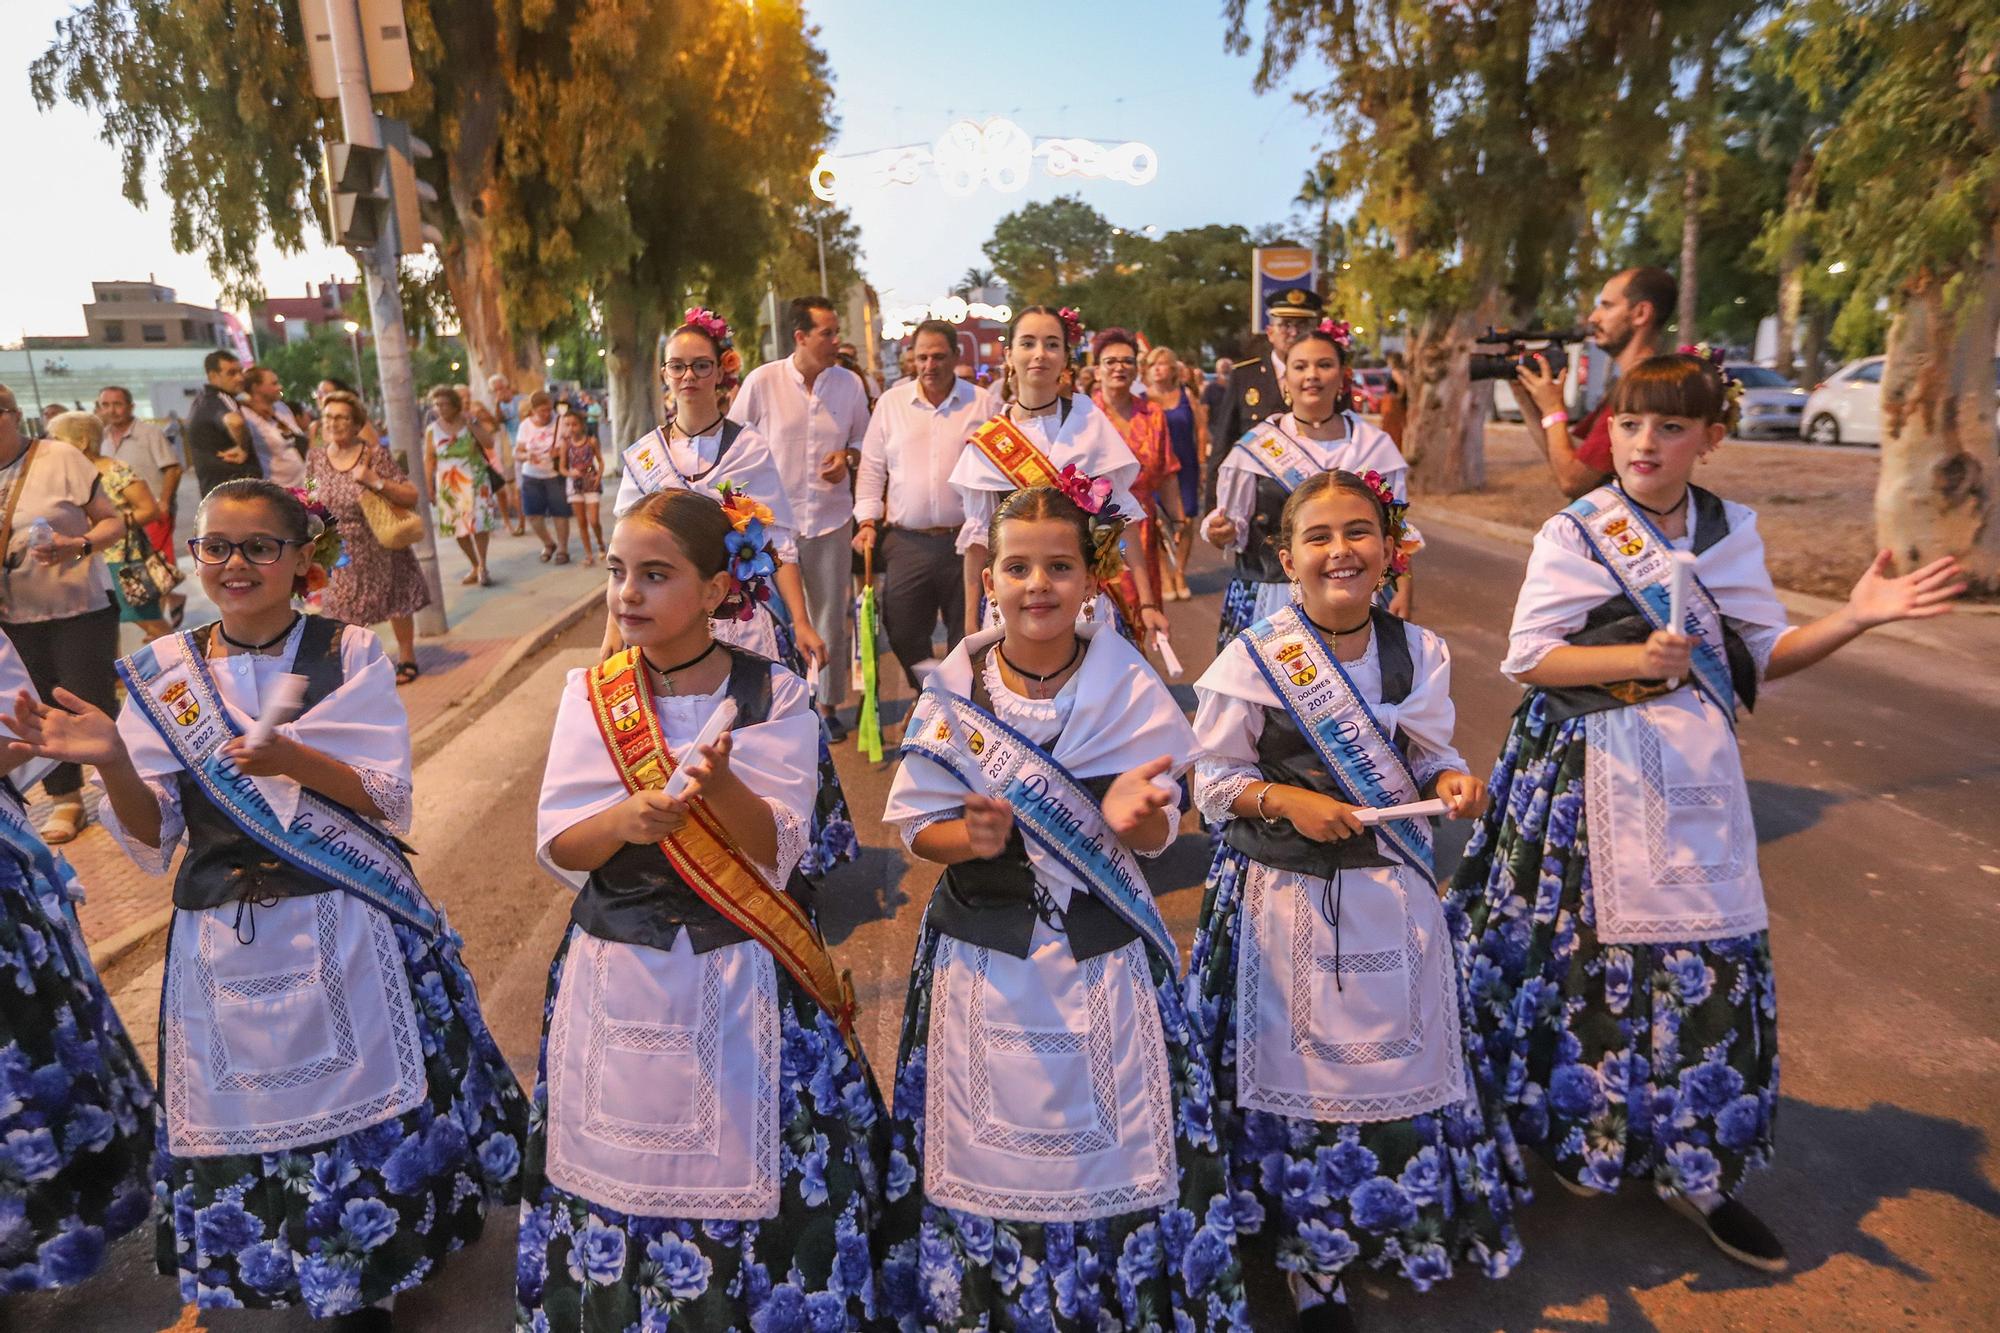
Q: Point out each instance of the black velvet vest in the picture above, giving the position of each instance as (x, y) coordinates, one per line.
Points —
(1616, 621)
(223, 864)
(1285, 756)
(991, 903)
(637, 897)
(1258, 560)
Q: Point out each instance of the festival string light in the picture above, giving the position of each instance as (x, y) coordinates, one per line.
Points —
(951, 309)
(995, 152)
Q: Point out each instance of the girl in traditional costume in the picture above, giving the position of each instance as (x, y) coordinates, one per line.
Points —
(1046, 436)
(1039, 1176)
(704, 451)
(1326, 981)
(705, 1145)
(1622, 963)
(337, 1115)
(76, 1105)
(1319, 433)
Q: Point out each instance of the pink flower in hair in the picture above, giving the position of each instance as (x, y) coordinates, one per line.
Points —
(1072, 322)
(1339, 330)
(1089, 495)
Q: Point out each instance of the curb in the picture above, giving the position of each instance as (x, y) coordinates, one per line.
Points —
(116, 948)
(1802, 604)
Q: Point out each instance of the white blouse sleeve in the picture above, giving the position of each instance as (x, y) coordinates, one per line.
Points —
(794, 828)
(1227, 728)
(979, 507)
(1236, 500)
(1426, 717)
(158, 768)
(784, 544)
(362, 724)
(1554, 601)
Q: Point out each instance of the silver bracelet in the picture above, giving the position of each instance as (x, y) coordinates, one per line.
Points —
(1262, 792)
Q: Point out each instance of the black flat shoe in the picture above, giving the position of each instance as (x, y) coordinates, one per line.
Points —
(1329, 1317)
(368, 1319)
(836, 731)
(1738, 1233)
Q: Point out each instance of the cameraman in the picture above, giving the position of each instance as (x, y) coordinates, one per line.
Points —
(1630, 323)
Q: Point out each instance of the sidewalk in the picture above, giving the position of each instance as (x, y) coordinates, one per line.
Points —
(492, 629)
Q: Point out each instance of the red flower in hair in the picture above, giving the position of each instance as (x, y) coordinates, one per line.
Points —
(1090, 496)
(1072, 322)
(1339, 330)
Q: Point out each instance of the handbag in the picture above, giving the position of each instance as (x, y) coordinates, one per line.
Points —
(144, 575)
(394, 527)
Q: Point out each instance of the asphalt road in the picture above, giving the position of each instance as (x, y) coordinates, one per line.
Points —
(1873, 778)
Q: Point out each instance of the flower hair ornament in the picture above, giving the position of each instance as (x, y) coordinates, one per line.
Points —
(728, 361)
(1403, 540)
(1340, 331)
(1072, 322)
(1732, 387)
(1107, 525)
(323, 544)
(750, 562)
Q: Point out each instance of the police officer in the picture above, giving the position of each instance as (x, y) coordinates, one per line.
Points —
(1253, 391)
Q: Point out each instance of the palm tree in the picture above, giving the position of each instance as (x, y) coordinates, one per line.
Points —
(973, 279)
(1321, 191)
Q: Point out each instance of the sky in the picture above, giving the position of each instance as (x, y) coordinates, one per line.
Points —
(902, 73)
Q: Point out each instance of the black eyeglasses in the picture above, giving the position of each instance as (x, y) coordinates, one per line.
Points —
(257, 550)
(701, 368)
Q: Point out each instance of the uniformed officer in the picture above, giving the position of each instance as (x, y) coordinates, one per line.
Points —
(1253, 391)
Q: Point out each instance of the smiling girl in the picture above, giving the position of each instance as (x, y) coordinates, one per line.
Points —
(1319, 432)
(703, 1149)
(337, 1115)
(1622, 962)
(1038, 1173)
(1326, 978)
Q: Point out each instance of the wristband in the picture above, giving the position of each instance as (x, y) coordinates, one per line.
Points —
(1262, 792)
(1554, 418)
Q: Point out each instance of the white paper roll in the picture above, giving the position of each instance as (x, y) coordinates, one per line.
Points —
(718, 722)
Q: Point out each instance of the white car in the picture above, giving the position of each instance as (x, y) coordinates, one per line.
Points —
(1846, 408)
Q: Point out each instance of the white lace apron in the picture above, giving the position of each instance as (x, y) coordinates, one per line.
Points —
(306, 1033)
(1673, 851)
(1048, 1097)
(1365, 1031)
(663, 1079)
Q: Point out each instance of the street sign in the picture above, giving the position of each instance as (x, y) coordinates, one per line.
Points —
(384, 39)
(1274, 269)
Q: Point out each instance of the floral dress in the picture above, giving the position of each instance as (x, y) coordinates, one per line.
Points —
(370, 584)
(464, 484)
(1145, 434)
(130, 553)
(76, 1106)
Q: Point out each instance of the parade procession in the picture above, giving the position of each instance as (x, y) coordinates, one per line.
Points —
(620, 766)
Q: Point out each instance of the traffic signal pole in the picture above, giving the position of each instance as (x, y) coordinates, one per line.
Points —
(380, 265)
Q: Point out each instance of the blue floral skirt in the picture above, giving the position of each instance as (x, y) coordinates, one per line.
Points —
(1416, 1196)
(1239, 609)
(1161, 1268)
(76, 1105)
(581, 1265)
(338, 1225)
(833, 839)
(1619, 1061)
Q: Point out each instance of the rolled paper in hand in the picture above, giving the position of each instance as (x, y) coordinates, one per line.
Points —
(718, 722)
(281, 704)
(1166, 652)
(1414, 810)
(1677, 597)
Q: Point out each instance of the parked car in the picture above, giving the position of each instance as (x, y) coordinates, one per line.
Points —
(1772, 405)
(1846, 407)
(1371, 388)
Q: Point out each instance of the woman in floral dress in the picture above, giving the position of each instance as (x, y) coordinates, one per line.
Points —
(459, 456)
(372, 584)
(1143, 426)
(76, 1106)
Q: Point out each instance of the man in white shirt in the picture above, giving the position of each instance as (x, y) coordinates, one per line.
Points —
(813, 413)
(904, 495)
(143, 447)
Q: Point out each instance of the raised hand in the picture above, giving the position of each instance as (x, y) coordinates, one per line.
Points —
(1218, 529)
(1463, 793)
(1134, 797)
(706, 766)
(988, 824)
(1879, 599)
(70, 730)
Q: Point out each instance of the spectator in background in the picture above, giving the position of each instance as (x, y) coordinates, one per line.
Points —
(143, 447)
(1217, 388)
(581, 460)
(55, 597)
(140, 598)
(1396, 402)
(540, 477)
(218, 443)
(274, 432)
(1187, 430)
(176, 435)
(459, 453)
(372, 585)
(1143, 427)
(506, 421)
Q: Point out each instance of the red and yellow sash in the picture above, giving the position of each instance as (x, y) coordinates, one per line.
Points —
(702, 854)
(1008, 449)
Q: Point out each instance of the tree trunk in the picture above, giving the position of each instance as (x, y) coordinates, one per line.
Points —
(1935, 494)
(631, 362)
(1792, 263)
(491, 347)
(1813, 354)
(1690, 246)
(1446, 448)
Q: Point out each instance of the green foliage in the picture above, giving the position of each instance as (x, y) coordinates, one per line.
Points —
(327, 351)
(1042, 250)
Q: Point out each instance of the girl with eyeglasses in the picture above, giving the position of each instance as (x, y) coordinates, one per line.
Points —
(337, 1116)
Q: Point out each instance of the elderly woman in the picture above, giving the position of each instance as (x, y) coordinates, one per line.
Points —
(133, 587)
(373, 584)
(459, 455)
(55, 598)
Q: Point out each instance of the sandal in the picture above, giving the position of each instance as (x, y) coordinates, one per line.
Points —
(65, 822)
(562, 557)
(485, 579)
(407, 672)
(547, 552)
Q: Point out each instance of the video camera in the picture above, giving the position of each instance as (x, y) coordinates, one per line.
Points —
(1505, 350)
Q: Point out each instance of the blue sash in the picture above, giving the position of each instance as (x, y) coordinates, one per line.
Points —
(1641, 560)
(1278, 456)
(1050, 805)
(1349, 739)
(325, 840)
